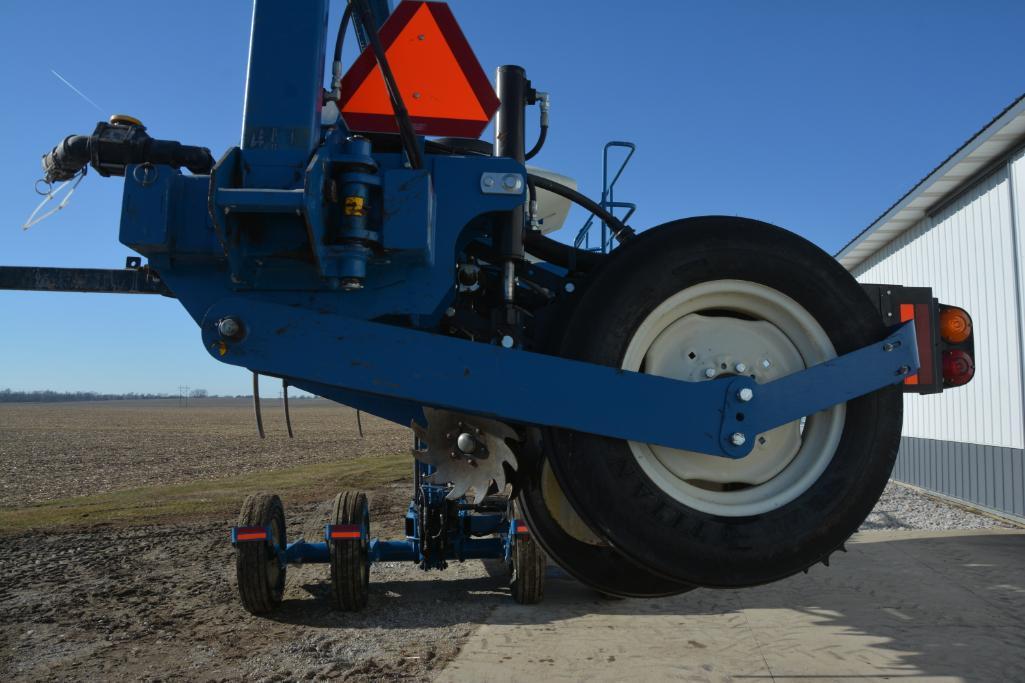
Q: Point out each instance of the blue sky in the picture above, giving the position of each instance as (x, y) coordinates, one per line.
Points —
(814, 116)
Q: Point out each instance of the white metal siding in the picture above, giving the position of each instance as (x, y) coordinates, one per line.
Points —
(966, 254)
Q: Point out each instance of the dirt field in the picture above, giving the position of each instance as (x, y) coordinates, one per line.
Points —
(116, 564)
(157, 602)
(71, 449)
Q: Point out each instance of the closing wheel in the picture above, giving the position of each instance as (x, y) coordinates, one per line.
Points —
(261, 576)
(529, 565)
(706, 298)
(564, 536)
(350, 562)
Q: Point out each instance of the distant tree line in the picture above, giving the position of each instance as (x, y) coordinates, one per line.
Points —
(49, 396)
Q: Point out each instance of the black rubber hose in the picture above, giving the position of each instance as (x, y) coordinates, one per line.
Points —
(570, 258)
(537, 145)
(621, 231)
(406, 132)
(66, 159)
(342, 28)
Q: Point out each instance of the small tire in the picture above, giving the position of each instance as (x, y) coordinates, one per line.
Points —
(261, 577)
(597, 565)
(529, 565)
(350, 563)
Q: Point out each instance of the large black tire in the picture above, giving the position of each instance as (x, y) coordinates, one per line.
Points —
(608, 486)
(529, 565)
(597, 565)
(261, 578)
(350, 566)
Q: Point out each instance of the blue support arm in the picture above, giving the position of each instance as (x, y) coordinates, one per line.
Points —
(521, 386)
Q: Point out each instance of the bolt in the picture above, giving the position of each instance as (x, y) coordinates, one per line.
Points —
(745, 394)
(710, 373)
(766, 363)
(449, 312)
(229, 327)
(738, 439)
(453, 455)
(466, 443)
(351, 284)
(903, 370)
(507, 342)
(890, 346)
(489, 181)
(511, 181)
(570, 287)
(421, 37)
(416, 96)
(472, 462)
(740, 367)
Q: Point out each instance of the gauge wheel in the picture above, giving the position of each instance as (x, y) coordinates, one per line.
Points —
(261, 575)
(702, 299)
(350, 561)
(574, 546)
(529, 566)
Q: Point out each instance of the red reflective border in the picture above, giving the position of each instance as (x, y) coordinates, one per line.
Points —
(250, 533)
(345, 531)
(464, 56)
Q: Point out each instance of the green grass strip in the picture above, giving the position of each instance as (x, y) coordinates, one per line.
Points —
(149, 504)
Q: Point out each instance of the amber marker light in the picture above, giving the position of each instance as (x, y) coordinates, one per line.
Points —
(955, 325)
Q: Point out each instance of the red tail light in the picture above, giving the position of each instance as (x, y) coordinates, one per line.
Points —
(958, 368)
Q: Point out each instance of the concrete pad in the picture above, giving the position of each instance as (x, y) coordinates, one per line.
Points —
(922, 605)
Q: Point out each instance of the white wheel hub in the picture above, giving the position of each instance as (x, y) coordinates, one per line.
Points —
(728, 328)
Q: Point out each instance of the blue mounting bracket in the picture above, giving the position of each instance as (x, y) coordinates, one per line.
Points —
(515, 385)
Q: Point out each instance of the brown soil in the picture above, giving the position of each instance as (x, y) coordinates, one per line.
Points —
(57, 450)
(158, 602)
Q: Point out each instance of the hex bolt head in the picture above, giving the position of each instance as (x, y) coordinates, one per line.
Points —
(466, 443)
(740, 367)
(507, 342)
(745, 394)
(766, 363)
(511, 181)
(710, 373)
(738, 439)
(229, 328)
(489, 181)
(570, 287)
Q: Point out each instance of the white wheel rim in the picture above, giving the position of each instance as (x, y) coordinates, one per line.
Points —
(738, 325)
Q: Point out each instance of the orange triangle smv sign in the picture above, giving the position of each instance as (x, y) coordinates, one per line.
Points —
(441, 81)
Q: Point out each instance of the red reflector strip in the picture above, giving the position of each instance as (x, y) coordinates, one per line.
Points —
(250, 533)
(345, 531)
(907, 312)
(521, 528)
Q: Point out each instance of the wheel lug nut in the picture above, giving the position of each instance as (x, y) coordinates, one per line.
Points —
(710, 373)
(745, 394)
(766, 363)
(740, 367)
(738, 439)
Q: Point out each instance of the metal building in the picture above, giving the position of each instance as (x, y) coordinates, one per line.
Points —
(961, 230)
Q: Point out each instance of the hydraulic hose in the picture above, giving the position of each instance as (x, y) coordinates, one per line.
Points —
(537, 145)
(406, 132)
(336, 62)
(621, 231)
